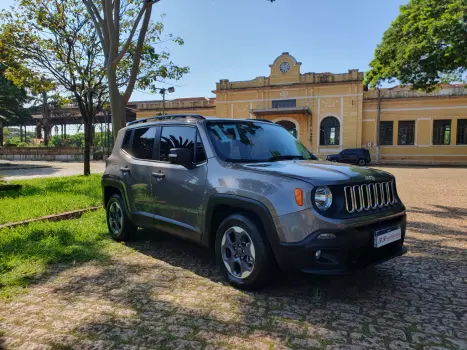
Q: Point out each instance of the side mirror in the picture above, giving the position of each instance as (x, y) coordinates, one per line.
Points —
(181, 156)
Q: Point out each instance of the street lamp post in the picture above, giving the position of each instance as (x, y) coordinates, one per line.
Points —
(163, 92)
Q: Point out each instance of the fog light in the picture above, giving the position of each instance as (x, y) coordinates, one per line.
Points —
(318, 254)
(327, 236)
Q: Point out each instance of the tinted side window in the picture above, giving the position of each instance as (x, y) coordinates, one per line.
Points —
(126, 141)
(143, 143)
(176, 137)
(200, 154)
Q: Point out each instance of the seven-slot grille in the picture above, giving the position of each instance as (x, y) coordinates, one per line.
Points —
(369, 196)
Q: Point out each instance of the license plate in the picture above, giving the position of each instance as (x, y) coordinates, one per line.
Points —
(387, 235)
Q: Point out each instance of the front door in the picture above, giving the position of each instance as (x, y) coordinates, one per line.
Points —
(344, 156)
(178, 192)
(137, 174)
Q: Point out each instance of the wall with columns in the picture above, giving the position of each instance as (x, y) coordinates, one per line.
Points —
(448, 103)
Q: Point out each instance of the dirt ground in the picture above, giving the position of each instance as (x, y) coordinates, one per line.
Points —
(164, 293)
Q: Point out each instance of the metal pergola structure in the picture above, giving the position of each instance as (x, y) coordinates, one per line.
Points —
(67, 116)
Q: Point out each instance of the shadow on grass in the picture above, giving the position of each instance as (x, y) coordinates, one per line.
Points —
(26, 251)
(59, 185)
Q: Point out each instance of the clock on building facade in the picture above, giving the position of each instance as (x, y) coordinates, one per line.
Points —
(284, 67)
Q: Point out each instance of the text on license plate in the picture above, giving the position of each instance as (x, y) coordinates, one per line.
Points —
(387, 235)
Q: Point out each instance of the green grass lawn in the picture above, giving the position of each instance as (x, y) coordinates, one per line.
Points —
(39, 197)
(26, 251)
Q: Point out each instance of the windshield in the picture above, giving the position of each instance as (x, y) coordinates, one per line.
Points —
(245, 141)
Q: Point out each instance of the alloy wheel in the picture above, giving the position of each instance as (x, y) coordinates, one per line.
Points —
(115, 218)
(238, 252)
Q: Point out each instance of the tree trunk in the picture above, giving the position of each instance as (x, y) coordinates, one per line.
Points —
(87, 146)
(47, 130)
(1, 134)
(45, 118)
(116, 103)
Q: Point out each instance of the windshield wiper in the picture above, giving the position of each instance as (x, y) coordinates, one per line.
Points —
(290, 157)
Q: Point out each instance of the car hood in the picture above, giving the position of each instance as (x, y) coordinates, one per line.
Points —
(318, 172)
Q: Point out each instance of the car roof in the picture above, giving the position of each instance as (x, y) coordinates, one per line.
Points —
(188, 119)
(355, 149)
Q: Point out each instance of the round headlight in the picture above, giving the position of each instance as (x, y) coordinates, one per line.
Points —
(323, 197)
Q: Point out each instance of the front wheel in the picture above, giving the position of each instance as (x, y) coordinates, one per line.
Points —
(361, 162)
(242, 252)
(118, 222)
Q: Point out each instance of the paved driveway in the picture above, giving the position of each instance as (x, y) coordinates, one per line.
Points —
(23, 170)
(166, 294)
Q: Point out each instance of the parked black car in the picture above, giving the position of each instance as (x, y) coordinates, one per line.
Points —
(360, 156)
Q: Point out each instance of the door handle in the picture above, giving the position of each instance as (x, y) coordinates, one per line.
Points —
(158, 175)
(125, 170)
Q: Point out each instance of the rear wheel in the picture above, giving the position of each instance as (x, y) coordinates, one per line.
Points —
(120, 226)
(242, 252)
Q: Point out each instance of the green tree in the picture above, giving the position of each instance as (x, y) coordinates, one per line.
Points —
(425, 45)
(12, 100)
(128, 38)
(52, 44)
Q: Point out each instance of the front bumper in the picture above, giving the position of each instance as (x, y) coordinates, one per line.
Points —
(352, 249)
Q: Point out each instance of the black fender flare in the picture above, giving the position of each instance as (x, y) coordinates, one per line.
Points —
(112, 181)
(245, 204)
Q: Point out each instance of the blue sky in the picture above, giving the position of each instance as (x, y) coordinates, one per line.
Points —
(238, 39)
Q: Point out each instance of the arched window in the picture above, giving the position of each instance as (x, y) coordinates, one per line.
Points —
(289, 126)
(330, 130)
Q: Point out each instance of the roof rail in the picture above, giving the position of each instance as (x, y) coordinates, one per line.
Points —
(167, 117)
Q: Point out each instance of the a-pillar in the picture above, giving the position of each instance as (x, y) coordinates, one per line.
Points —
(38, 132)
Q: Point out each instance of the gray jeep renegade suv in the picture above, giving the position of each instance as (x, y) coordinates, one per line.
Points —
(254, 193)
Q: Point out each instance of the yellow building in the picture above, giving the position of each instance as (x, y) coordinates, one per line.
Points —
(330, 112)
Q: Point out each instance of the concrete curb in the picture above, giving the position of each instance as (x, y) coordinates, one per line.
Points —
(74, 214)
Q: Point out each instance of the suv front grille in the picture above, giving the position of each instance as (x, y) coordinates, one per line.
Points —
(369, 196)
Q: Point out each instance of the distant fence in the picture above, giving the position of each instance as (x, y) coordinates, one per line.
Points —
(43, 153)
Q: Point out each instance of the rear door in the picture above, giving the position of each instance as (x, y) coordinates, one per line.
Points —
(178, 192)
(140, 156)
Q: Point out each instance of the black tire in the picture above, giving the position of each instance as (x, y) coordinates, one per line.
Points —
(263, 266)
(361, 162)
(125, 228)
